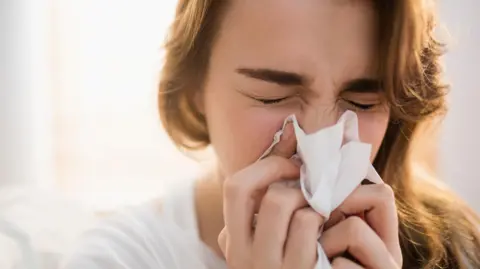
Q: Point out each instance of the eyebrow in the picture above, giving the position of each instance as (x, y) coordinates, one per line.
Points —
(282, 78)
(363, 85)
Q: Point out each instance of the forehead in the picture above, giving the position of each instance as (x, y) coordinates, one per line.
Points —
(308, 36)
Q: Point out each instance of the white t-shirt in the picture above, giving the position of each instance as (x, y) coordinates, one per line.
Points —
(148, 237)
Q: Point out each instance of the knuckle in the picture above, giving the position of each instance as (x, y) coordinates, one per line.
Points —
(279, 165)
(272, 167)
(275, 199)
(386, 194)
(356, 228)
(305, 218)
(233, 187)
(276, 165)
(281, 200)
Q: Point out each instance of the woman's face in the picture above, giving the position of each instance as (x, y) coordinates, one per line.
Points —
(273, 58)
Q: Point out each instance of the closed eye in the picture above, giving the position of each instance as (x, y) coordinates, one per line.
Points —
(279, 100)
(270, 101)
(361, 106)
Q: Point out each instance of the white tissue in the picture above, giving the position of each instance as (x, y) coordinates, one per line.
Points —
(335, 162)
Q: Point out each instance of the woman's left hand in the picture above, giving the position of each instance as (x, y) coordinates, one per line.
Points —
(366, 227)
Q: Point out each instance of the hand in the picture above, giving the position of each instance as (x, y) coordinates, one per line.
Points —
(286, 231)
(366, 227)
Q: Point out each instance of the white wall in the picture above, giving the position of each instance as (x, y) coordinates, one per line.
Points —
(460, 143)
(24, 102)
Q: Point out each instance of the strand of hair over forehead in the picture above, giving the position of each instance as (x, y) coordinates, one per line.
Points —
(140, 240)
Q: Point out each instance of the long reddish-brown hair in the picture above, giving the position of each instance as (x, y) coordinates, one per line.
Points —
(436, 229)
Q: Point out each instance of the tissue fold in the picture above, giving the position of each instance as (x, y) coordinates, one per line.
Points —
(335, 162)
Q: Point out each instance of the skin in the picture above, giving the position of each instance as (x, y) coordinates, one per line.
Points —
(314, 59)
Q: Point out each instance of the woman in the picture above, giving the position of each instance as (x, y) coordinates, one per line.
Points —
(234, 71)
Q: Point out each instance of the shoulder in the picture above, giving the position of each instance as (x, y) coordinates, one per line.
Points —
(118, 240)
(141, 237)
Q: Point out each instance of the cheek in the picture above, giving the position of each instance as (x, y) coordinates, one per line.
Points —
(240, 133)
(372, 128)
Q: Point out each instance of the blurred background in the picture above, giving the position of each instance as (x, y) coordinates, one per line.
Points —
(78, 109)
(80, 132)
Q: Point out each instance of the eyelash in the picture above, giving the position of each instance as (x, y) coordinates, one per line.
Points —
(362, 107)
(271, 101)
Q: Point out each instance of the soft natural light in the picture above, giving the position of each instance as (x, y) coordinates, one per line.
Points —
(81, 137)
(91, 112)
(110, 148)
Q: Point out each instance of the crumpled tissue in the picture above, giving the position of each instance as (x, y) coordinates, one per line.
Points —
(335, 162)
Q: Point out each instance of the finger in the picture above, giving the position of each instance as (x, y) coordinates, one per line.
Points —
(342, 263)
(355, 237)
(288, 143)
(301, 246)
(285, 148)
(334, 219)
(243, 189)
(236, 259)
(377, 203)
(277, 208)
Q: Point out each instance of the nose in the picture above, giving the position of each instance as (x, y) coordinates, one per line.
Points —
(318, 117)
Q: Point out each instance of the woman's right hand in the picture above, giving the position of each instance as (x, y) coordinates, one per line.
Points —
(286, 231)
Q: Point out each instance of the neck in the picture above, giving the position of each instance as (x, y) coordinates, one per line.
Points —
(209, 210)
